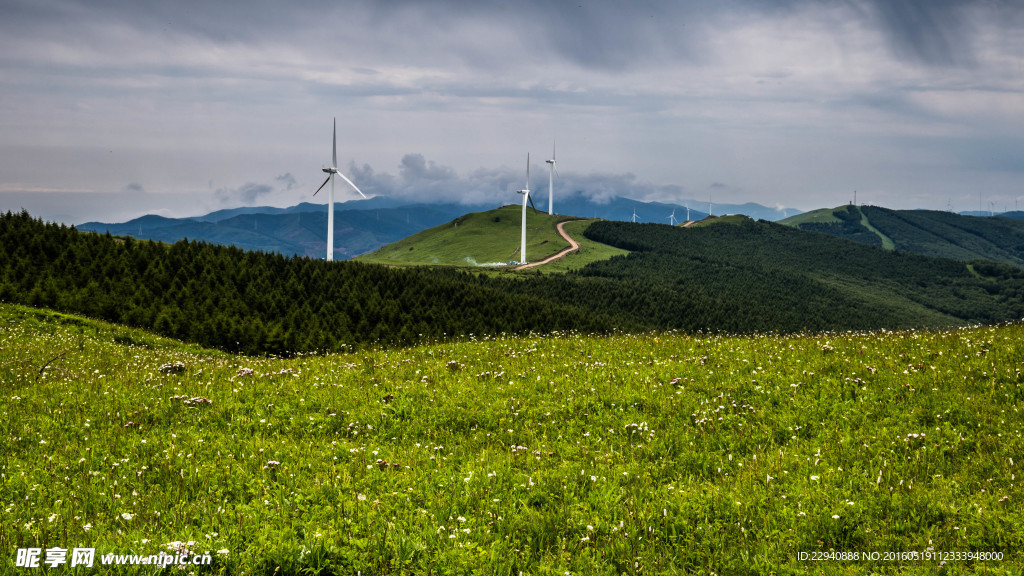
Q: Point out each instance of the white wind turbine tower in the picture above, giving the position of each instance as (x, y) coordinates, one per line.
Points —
(551, 180)
(634, 215)
(526, 196)
(331, 171)
(672, 218)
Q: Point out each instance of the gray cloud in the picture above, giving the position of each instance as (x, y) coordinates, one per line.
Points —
(415, 168)
(247, 193)
(782, 99)
(429, 182)
(931, 32)
(286, 180)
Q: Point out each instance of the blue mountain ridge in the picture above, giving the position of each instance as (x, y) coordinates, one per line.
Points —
(364, 225)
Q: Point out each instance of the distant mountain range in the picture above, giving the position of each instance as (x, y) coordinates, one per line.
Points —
(300, 230)
(362, 226)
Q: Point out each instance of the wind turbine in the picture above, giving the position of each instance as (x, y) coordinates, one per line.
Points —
(634, 215)
(672, 218)
(526, 196)
(331, 171)
(551, 180)
(687, 211)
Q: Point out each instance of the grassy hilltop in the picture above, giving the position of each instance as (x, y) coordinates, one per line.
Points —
(588, 455)
(490, 238)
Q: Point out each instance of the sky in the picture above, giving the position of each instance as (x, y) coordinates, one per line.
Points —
(111, 109)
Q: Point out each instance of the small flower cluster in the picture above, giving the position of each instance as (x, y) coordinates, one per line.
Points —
(384, 464)
(131, 424)
(454, 366)
(172, 368)
(639, 428)
(245, 372)
(183, 548)
(193, 401)
(522, 449)
(454, 529)
(271, 465)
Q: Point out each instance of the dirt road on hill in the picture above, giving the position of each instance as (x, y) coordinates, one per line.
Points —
(573, 246)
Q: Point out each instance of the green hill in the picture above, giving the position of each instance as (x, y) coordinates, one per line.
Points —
(719, 220)
(490, 238)
(927, 232)
(760, 276)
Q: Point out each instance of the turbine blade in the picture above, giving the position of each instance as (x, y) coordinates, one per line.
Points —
(352, 185)
(322, 186)
(334, 145)
(530, 198)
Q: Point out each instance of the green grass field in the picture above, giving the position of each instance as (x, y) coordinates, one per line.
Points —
(563, 454)
(489, 238)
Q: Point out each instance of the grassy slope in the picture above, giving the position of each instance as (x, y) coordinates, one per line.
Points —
(479, 238)
(768, 277)
(887, 243)
(627, 454)
(819, 216)
(589, 251)
(927, 232)
(949, 235)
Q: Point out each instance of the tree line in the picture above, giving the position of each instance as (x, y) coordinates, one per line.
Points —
(257, 302)
(737, 278)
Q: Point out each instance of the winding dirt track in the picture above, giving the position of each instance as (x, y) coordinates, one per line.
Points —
(573, 246)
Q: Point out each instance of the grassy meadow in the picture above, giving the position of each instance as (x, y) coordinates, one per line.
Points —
(562, 454)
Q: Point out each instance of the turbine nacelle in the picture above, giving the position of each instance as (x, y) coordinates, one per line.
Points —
(528, 197)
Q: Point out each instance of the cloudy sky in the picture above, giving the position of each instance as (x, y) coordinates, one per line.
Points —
(110, 109)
